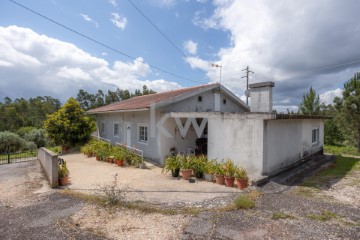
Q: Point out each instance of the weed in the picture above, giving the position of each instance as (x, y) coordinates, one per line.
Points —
(244, 202)
(112, 193)
(305, 191)
(280, 215)
(324, 216)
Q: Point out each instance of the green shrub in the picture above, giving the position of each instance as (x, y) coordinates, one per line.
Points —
(244, 202)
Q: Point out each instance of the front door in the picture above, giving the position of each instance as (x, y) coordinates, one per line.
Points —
(128, 134)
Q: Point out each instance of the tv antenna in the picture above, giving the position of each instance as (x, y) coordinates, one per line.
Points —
(217, 66)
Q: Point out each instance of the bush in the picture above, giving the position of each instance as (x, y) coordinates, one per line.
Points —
(10, 142)
(244, 202)
(37, 136)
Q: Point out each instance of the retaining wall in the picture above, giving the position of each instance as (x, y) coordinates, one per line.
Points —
(49, 162)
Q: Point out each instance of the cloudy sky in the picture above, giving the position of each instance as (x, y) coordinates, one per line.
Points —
(296, 44)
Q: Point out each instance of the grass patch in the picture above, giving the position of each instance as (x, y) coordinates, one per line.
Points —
(55, 149)
(338, 150)
(138, 205)
(244, 202)
(340, 168)
(323, 217)
(280, 215)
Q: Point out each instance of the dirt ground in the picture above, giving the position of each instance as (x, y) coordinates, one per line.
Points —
(142, 184)
(30, 209)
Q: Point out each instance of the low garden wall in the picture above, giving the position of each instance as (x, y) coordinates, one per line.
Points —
(49, 162)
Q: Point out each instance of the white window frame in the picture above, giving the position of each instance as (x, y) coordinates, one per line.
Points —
(147, 133)
(118, 133)
(315, 132)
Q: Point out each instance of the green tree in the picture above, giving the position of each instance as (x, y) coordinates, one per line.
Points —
(349, 106)
(36, 136)
(10, 142)
(310, 104)
(69, 126)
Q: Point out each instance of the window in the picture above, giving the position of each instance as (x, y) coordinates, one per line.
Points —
(143, 133)
(102, 128)
(116, 129)
(200, 98)
(315, 136)
(224, 101)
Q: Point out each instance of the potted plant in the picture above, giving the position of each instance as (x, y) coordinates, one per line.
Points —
(209, 170)
(63, 173)
(120, 155)
(172, 164)
(219, 173)
(186, 165)
(87, 150)
(198, 165)
(241, 177)
(229, 169)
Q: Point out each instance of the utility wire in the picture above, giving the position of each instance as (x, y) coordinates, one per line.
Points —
(102, 44)
(158, 29)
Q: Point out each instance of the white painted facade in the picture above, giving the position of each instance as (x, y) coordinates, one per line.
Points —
(260, 141)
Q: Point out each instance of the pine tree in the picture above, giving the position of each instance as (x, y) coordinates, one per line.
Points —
(310, 104)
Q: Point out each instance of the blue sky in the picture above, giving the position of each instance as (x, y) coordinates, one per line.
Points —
(296, 44)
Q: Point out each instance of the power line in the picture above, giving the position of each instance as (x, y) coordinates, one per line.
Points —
(158, 29)
(102, 44)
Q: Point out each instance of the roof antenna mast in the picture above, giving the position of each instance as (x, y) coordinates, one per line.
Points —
(217, 66)
(247, 83)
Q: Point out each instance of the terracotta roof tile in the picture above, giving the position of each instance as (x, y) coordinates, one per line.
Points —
(145, 101)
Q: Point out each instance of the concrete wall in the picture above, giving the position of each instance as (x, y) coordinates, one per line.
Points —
(289, 140)
(238, 137)
(261, 99)
(49, 162)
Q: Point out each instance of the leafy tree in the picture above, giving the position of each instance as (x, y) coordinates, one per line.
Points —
(310, 104)
(69, 126)
(10, 142)
(349, 105)
(37, 136)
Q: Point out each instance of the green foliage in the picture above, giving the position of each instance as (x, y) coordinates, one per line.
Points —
(37, 136)
(171, 163)
(198, 163)
(324, 216)
(339, 150)
(244, 202)
(210, 167)
(69, 126)
(10, 142)
(229, 168)
(25, 113)
(350, 106)
(240, 173)
(24, 130)
(333, 135)
(310, 104)
(88, 100)
(63, 171)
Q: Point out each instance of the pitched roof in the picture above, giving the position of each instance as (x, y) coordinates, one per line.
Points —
(143, 102)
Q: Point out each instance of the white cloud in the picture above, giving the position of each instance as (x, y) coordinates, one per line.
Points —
(113, 2)
(89, 19)
(328, 97)
(190, 46)
(118, 20)
(283, 41)
(33, 65)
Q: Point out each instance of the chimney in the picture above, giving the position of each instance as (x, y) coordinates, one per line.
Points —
(261, 97)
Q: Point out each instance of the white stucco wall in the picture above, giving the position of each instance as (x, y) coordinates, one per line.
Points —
(261, 99)
(238, 137)
(289, 140)
(134, 119)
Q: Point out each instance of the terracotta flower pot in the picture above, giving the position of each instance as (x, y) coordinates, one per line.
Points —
(242, 183)
(229, 181)
(63, 181)
(119, 162)
(219, 179)
(186, 173)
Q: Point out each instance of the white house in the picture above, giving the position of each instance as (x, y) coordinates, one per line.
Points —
(212, 120)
